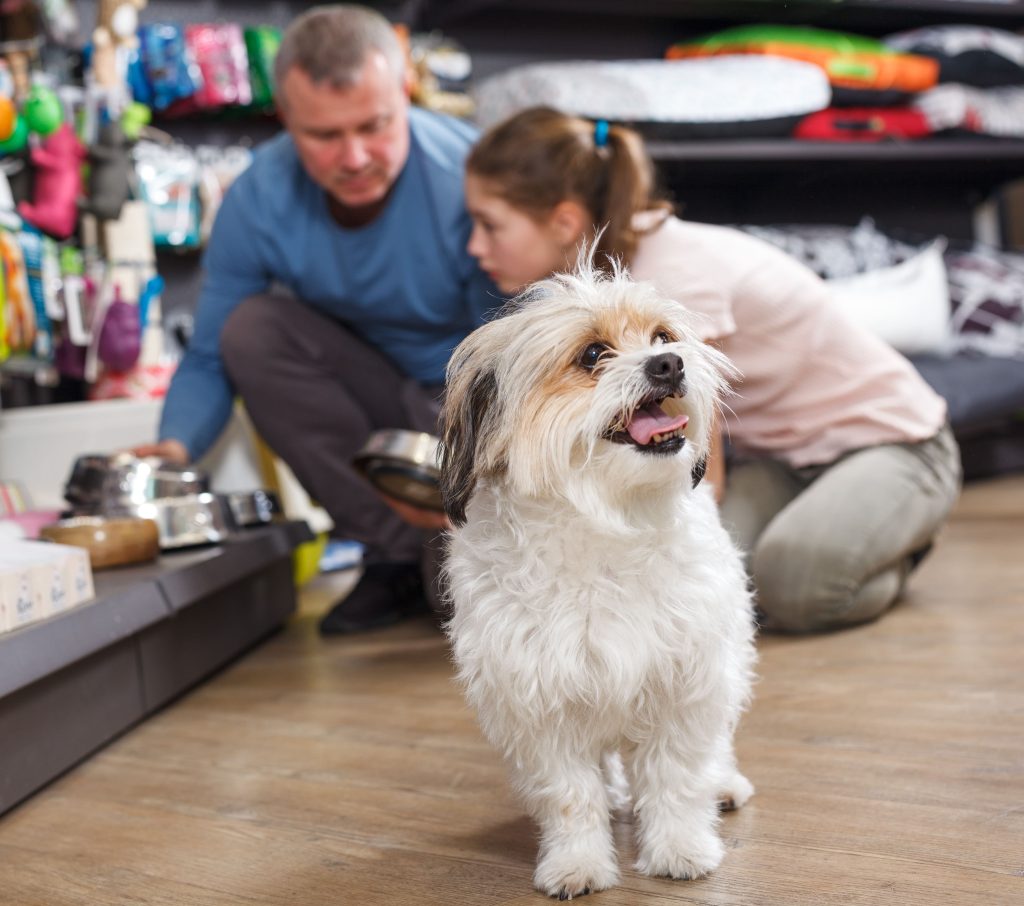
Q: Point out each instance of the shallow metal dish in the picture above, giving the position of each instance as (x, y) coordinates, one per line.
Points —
(183, 521)
(252, 507)
(404, 465)
(84, 487)
(99, 482)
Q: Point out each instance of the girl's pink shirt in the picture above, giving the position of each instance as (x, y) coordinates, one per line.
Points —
(812, 385)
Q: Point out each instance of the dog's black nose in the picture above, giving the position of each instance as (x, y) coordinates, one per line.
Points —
(665, 370)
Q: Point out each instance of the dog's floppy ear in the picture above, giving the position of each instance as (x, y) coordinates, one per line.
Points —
(698, 470)
(467, 421)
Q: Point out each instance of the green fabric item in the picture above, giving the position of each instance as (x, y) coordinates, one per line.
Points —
(797, 35)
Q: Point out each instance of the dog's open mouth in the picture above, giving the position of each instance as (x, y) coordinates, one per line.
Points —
(650, 428)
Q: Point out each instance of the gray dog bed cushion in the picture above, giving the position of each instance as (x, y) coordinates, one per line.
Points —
(978, 389)
(729, 95)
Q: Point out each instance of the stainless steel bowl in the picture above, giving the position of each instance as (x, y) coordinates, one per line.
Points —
(99, 482)
(84, 487)
(248, 508)
(404, 465)
(182, 521)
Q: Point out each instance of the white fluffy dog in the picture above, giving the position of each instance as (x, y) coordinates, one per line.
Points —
(598, 606)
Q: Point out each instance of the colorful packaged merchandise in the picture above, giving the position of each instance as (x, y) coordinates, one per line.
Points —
(220, 53)
(169, 182)
(168, 72)
(19, 312)
(261, 43)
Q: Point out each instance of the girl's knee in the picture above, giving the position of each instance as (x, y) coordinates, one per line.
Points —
(812, 592)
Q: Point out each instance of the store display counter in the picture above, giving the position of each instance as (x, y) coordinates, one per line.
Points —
(71, 683)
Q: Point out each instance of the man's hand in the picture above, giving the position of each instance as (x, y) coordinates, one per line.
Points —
(414, 515)
(169, 450)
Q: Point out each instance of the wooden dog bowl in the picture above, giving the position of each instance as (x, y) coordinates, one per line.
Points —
(109, 541)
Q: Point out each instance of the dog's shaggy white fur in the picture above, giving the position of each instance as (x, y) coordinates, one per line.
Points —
(598, 606)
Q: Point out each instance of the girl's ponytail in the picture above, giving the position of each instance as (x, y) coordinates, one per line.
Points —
(628, 190)
(540, 157)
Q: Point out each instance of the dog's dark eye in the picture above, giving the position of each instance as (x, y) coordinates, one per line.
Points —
(663, 336)
(592, 354)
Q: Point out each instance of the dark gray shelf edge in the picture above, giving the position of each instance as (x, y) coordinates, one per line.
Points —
(939, 7)
(728, 9)
(40, 649)
(129, 600)
(952, 150)
(220, 566)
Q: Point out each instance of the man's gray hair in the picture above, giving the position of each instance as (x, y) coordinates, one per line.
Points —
(331, 43)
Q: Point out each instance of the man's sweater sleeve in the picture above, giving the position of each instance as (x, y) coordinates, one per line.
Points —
(200, 396)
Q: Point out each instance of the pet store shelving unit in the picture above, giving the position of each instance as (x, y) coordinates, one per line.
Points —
(930, 186)
(927, 186)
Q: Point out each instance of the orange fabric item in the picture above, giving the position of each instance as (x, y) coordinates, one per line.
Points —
(893, 72)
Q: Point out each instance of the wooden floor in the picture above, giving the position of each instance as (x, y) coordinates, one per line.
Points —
(889, 762)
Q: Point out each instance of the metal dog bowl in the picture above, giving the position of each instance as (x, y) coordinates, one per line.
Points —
(183, 521)
(99, 482)
(404, 465)
(249, 508)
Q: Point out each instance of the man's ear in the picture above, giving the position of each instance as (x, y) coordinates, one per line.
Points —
(568, 221)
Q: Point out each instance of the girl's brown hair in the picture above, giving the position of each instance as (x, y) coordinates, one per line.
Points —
(540, 157)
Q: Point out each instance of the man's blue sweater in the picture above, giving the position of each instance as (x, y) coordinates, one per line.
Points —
(404, 283)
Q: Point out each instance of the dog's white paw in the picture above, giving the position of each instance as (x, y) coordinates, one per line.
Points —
(735, 793)
(574, 873)
(684, 858)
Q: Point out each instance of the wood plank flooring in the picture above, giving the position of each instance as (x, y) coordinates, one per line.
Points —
(889, 762)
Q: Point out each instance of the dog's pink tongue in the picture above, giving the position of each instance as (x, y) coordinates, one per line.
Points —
(651, 420)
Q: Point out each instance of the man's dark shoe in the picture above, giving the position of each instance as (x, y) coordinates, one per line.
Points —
(385, 594)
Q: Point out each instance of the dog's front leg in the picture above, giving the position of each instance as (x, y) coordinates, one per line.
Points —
(676, 806)
(566, 796)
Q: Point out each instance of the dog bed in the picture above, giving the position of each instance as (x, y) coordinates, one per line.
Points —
(726, 96)
(967, 54)
(998, 112)
(863, 124)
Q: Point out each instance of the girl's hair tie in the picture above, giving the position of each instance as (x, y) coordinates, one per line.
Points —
(600, 133)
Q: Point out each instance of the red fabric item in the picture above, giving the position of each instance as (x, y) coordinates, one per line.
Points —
(863, 124)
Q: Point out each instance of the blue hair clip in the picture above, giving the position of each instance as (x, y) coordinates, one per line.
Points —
(600, 133)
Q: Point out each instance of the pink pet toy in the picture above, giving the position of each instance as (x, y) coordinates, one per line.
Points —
(58, 183)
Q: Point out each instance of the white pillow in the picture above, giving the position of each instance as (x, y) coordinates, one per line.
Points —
(907, 305)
